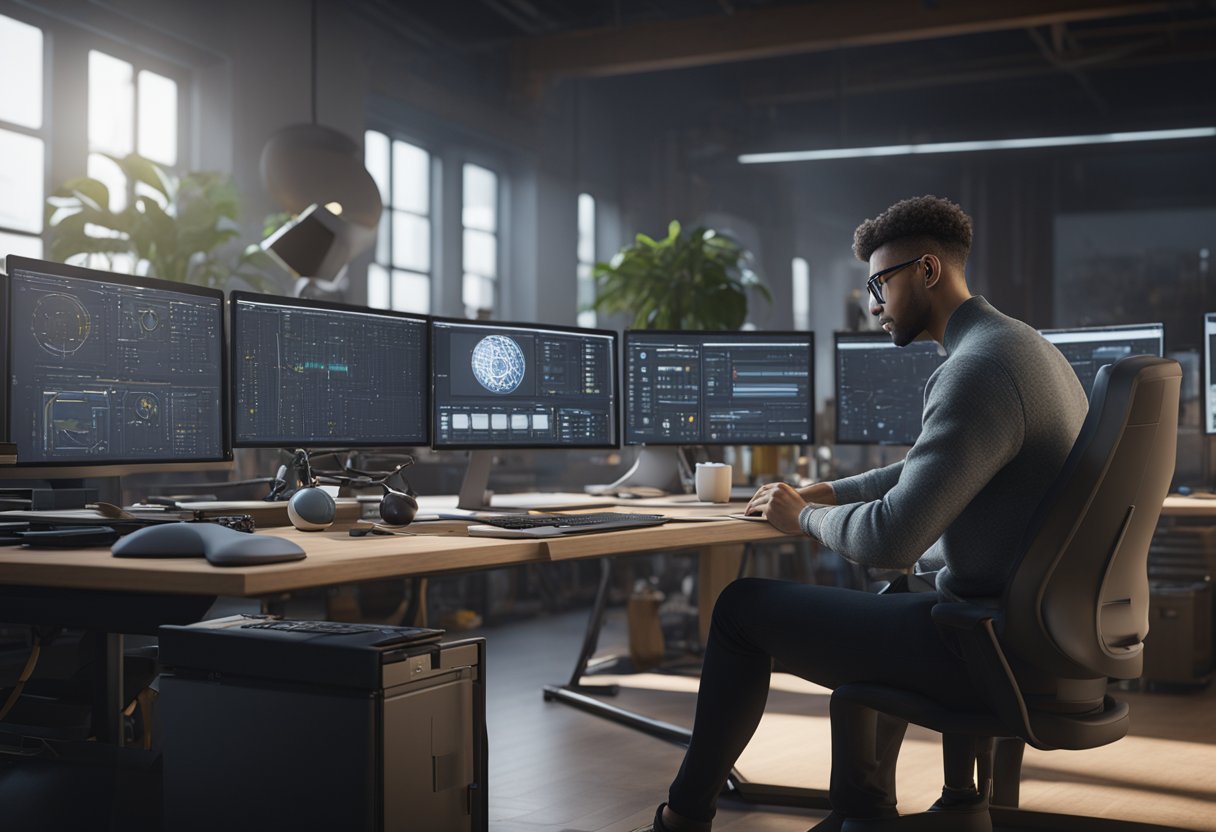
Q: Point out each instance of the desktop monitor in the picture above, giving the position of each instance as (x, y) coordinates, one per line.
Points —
(1088, 348)
(719, 388)
(310, 374)
(1208, 385)
(109, 374)
(498, 385)
(880, 388)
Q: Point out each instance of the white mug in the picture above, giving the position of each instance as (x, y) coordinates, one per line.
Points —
(713, 482)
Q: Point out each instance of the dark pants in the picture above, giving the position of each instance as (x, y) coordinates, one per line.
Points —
(829, 636)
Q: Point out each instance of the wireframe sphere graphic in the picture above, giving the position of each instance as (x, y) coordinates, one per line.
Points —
(498, 364)
(60, 324)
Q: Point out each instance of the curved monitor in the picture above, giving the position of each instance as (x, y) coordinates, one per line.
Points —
(500, 385)
(880, 388)
(312, 374)
(719, 388)
(1088, 348)
(109, 374)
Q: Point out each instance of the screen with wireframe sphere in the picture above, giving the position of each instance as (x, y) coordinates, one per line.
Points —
(499, 385)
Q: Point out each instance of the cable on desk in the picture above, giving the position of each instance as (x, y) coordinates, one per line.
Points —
(26, 673)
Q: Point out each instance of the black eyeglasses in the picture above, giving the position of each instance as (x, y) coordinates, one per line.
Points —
(874, 284)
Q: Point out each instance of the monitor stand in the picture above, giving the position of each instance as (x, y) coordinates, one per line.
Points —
(665, 468)
(475, 488)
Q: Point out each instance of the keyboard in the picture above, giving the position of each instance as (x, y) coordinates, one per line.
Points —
(549, 525)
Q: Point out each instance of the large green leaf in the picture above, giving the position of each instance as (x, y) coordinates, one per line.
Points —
(178, 231)
(699, 279)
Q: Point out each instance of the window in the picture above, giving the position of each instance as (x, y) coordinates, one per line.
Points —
(22, 139)
(479, 217)
(586, 259)
(400, 276)
(802, 293)
(130, 111)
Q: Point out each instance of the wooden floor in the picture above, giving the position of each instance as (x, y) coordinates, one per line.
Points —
(556, 769)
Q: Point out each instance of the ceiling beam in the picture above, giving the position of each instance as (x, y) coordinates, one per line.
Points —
(786, 30)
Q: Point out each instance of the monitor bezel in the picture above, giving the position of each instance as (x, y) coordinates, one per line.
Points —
(116, 467)
(615, 440)
(757, 334)
(876, 336)
(1111, 328)
(1206, 360)
(238, 296)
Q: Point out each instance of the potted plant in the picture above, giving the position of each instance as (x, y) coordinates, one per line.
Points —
(174, 227)
(698, 279)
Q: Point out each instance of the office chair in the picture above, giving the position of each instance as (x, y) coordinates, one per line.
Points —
(1073, 615)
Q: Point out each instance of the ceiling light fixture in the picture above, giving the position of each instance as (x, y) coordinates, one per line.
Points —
(966, 147)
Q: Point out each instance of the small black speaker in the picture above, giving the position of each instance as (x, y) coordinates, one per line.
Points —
(398, 508)
(311, 509)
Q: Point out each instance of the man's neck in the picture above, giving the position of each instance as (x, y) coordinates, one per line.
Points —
(952, 298)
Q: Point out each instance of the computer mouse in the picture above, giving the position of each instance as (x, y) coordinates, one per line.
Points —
(220, 545)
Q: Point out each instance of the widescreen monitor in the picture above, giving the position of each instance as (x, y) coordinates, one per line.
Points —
(1088, 348)
(1208, 385)
(500, 385)
(719, 388)
(106, 371)
(880, 388)
(313, 374)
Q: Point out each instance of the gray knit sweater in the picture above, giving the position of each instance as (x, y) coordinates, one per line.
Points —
(1001, 414)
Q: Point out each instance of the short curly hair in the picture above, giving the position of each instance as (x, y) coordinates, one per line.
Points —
(920, 221)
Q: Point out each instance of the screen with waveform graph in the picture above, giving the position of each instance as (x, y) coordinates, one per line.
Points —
(719, 388)
(313, 374)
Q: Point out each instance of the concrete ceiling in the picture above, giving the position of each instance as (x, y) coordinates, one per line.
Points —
(760, 74)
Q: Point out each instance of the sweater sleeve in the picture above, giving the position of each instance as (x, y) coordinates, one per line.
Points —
(974, 424)
(871, 485)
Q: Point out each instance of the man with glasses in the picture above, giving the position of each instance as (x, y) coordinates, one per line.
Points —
(1000, 416)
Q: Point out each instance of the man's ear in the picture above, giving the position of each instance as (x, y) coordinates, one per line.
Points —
(933, 270)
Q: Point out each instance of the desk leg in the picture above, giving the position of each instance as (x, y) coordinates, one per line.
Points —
(108, 720)
(591, 639)
(717, 566)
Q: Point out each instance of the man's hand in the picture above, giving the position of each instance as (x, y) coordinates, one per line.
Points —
(780, 504)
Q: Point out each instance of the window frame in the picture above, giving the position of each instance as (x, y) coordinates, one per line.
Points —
(385, 232)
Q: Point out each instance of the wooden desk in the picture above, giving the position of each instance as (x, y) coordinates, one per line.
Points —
(1178, 506)
(334, 557)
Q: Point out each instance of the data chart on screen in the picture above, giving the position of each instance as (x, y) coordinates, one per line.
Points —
(1089, 348)
(315, 374)
(719, 388)
(106, 368)
(1208, 384)
(880, 388)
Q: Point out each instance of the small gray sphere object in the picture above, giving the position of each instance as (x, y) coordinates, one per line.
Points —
(311, 509)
